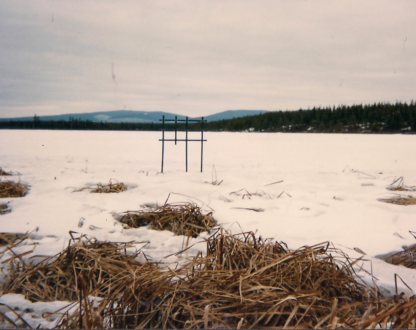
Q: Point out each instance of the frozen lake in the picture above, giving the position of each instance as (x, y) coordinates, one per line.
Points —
(329, 191)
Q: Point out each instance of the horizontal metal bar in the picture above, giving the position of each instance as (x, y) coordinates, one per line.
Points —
(181, 130)
(183, 140)
(182, 120)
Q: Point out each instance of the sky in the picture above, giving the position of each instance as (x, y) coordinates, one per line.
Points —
(202, 57)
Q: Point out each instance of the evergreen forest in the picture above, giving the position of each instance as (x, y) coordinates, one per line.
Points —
(372, 118)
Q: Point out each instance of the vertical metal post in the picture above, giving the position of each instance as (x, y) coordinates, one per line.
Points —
(163, 140)
(202, 141)
(176, 129)
(186, 143)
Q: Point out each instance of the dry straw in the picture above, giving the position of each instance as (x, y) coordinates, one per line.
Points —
(102, 264)
(10, 238)
(398, 185)
(248, 282)
(111, 187)
(181, 219)
(405, 258)
(4, 209)
(244, 281)
(12, 189)
(4, 173)
(400, 200)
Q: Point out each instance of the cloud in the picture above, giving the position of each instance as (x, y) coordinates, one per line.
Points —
(199, 58)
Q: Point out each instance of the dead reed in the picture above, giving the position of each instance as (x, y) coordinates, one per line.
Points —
(101, 264)
(10, 238)
(4, 173)
(244, 281)
(111, 187)
(181, 219)
(400, 200)
(12, 189)
(398, 185)
(406, 258)
(4, 209)
(247, 282)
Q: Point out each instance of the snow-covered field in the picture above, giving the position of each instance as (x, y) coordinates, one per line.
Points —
(329, 191)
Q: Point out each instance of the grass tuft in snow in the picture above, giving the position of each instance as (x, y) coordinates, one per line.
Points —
(4, 209)
(181, 219)
(248, 282)
(405, 258)
(111, 187)
(4, 173)
(243, 281)
(12, 189)
(398, 185)
(10, 238)
(101, 264)
(400, 200)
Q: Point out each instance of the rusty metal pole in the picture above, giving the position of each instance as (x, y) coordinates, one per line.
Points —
(202, 141)
(176, 129)
(186, 143)
(163, 140)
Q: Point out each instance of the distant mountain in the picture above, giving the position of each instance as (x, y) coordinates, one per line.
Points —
(230, 114)
(131, 116)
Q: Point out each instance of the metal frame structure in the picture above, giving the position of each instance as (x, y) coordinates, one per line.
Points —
(186, 140)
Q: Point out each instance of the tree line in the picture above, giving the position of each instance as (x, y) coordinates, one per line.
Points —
(371, 118)
(374, 118)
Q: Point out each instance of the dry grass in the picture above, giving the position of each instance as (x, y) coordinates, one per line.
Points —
(11, 238)
(111, 187)
(243, 282)
(12, 189)
(4, 209)
(101, 264)
(247, 282)
(400, 200)
(405, 258)
(181, 219)
(402, 189)
(398, 185)
(4, 173)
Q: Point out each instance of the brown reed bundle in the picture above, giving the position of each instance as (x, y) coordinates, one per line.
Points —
(398, 185)
(400, 200)
(4, 173)
(181, 219)
(405, 258)
(243, 282)
(10, 238)
(4, 209)
(248, 282)
(102, 264)
(12, 189)
(402, 188)
(109, 188)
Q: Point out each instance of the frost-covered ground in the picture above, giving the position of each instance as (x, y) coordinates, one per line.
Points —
(329, 191)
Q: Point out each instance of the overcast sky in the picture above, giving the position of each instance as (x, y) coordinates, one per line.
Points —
(202, 57)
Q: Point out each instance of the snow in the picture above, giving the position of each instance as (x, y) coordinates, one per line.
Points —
(329, 191)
